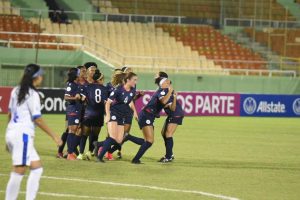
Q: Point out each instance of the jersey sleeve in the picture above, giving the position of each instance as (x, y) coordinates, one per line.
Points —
(113, 94)
(162, 93)
(71, 89)
(34, 105)
(11, 100)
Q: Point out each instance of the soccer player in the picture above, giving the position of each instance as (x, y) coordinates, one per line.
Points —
(148, 114)
(174, 118)
(117, 108)
(96, 96)
(73, 98)
(82, 82)
(127, 125)
(24, 114)
(91, 69)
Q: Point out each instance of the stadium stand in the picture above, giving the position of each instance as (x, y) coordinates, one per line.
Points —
(14, 23)
(131, 40)
(285, 42)
(210, 9)
(211, 43)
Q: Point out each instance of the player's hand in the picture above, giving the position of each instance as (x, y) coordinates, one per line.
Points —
(171, 88)
(77, 97)
(136, 117)
(175, 94)
(142, 93)
(58, 140)
(106, 119)
(83, 98)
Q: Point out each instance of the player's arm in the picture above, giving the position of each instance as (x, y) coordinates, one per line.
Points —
(9, 116)
(132, 106)
(165, 99)
(138, 95)
(107, 110)
(42, 125)
(173, 104)
(72, 98)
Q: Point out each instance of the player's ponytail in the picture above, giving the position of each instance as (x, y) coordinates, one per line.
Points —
(31, 72)
(160, 76)
(118, 78)
(98, 75)
(73, 73)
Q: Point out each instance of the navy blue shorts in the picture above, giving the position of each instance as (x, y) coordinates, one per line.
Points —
(174, 120)
(73, 118)
(128, 119)
(114, 117)
(93, 122)
(146, 119)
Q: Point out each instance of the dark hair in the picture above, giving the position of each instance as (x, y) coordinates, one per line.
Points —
(72, 74)
(90, 64)
(161, 75)
(129, 76)
(97, 75)
(118, 70)
(80, 67)
(27, 81)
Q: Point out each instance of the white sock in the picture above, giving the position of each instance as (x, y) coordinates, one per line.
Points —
(13, 186)
(33, 183)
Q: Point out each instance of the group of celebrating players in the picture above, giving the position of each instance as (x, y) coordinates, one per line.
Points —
(90, 104)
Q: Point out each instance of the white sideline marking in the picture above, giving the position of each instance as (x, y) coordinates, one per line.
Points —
(217, 196)
(75, 196)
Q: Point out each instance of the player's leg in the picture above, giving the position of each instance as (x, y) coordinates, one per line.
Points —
(148, 132)
(17, 144)
(169, 143)
(95, 130)
(64, 137)
(71, 142)
(14, 182)
(85, 133)
(112, 127)
(36, 171)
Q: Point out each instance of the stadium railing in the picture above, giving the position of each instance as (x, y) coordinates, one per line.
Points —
(150, 63)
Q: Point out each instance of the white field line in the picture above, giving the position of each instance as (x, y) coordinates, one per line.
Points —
(74, 196)
(217, 196)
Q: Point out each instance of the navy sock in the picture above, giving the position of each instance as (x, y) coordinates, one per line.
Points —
(100, 144)
(77, 140)
(115, 148)
(92, 139)
(169, 147)
(136, 140)
(70, 142)
(144, 147)
(82, 144)
(106, 146)
(64, 137)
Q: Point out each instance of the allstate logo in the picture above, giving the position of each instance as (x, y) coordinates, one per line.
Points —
(249, 105)
(296, 106)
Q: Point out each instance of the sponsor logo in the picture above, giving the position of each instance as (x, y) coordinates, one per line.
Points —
(77, 121)
(296, 106)
(113, 117)
(148, 121)
(68, 89)
(162, 93)
(249, 105)
(112, 93)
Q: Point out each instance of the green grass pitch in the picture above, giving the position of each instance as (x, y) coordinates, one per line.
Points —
(245, 158)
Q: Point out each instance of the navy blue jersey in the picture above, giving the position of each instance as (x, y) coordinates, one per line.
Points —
(71, 90)
(96, 96)
(178, 111)
(154, 106)
(121, 100)
(110, 88)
